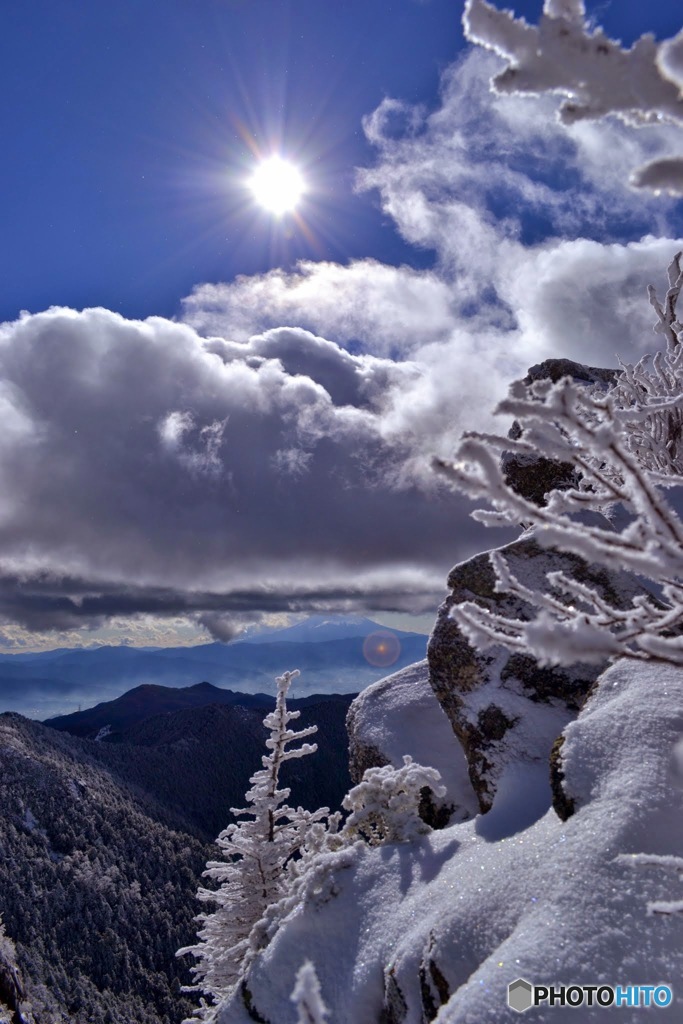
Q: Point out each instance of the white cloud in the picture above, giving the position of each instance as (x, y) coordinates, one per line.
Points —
(485, 170)
(491, 184)
(541, 250)
(385, 309)
(587, 300)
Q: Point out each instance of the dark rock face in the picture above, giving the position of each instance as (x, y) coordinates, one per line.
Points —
(434, 989)
(395, 1008)
(556, 369)
(502, 705)
(562, 803)
(361, 755)
(534, 476)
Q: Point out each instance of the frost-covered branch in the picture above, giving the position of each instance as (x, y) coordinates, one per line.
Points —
(648, 395)
(563, 54)
(669, 863)
(625, 448)
(307, 997)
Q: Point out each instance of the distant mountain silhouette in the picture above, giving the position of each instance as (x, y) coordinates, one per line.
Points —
(317, 629)
(329, 651)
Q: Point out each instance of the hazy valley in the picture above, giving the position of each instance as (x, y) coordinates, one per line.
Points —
(331, 654)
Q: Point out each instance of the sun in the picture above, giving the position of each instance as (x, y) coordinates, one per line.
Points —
(277, 185)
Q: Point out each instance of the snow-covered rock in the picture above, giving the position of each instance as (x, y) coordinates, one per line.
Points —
(436, 930)
(598, 378)
(501, 705)
(400, 715)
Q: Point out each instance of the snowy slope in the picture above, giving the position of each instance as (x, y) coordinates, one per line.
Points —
(450, 920)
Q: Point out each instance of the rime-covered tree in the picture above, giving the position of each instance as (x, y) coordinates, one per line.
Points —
(11, 988)
(256, 852)
(648, 395)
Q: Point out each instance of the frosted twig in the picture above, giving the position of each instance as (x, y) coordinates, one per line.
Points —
(626, 448)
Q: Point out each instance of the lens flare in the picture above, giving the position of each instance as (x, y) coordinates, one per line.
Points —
(381, 649)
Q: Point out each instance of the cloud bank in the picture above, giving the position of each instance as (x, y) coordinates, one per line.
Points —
(147, 470)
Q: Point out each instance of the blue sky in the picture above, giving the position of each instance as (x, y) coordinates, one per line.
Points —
(132, 125)
(259, 447)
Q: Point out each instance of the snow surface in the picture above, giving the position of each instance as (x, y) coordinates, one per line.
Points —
(504, 896)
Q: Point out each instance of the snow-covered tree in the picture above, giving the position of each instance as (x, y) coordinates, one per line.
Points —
(564, 54)
(256, 852)
(385, 805)
(625, 447)
(277, 857)
(307, 997)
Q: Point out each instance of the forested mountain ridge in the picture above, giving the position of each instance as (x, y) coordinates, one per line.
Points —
(96, 892)
(195, 761)
(151, 699)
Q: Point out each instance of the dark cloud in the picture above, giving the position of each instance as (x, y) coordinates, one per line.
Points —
(145, 470)
(44, 604)
(222, 627)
